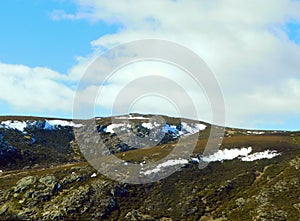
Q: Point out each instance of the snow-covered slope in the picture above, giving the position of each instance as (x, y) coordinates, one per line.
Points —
(42, 124)
(183, 129)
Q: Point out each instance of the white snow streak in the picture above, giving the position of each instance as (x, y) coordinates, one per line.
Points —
(192, 129)
(110, 128)
(165, 164)
(62, 123)
(18, 125)
(267, 154)
(255, 132)
(227, 154)
(149, 126)
(243, 154)
(93, 175)
(131, 118)
(49, 124)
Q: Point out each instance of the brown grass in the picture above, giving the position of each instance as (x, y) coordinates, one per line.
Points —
(257, 142)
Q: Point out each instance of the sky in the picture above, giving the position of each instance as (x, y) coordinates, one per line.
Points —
(252, 48)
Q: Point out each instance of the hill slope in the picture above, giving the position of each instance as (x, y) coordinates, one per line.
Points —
(254, 175)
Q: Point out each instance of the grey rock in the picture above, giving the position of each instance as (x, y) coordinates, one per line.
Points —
(137, 216)
(24, 184)
(3, 209)
(50, 182)
(27, 214)
(297, 206)
(54, 214)
(71, 179)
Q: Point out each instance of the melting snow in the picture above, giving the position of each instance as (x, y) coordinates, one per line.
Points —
(18, 125)
(50, 124)
(132, 118)
(93, 175)
(110, 128)
(243, 154)
(194, 128)
(165, 164)
(148, 125)
(255, 132)
(267, 154)
(185, 130)
(227, 154)
(170, 128)
(194, 159)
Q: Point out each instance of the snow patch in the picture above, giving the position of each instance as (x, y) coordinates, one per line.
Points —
(255, 132)
(93, 175)
(267, 154)
(131, 118)
(168, 163)
(243, 154)
(195, 160)
(149, 126)
(170, 128)
(50, 124)
(227, 154)
(17, 125)
(1, 171)
(192, 129)
(110, 128)
(185, 130)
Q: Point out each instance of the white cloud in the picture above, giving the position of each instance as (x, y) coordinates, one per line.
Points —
(173, 85)
(34, 89)
(244, 43)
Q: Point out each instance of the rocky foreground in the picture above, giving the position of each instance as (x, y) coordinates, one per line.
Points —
(43, 176)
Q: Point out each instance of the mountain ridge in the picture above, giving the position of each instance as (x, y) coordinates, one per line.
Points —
(33, 117)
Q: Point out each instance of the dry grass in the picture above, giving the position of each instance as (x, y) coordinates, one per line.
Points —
(257, 142)
(12, 177)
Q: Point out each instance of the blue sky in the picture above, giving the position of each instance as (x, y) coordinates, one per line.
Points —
(29, 36)
(253, 49)
(293, 30)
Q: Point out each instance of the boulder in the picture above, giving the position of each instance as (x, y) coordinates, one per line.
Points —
(24, 184)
